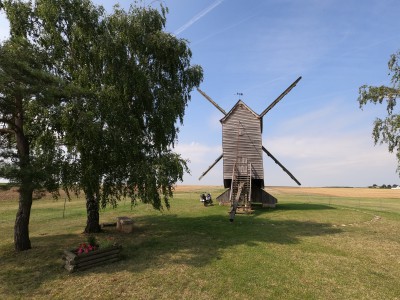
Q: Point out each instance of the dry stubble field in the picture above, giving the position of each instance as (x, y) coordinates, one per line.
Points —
(275, 190)
(312, 191)
(337, 192)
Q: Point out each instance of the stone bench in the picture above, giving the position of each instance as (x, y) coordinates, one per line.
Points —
(125, 224)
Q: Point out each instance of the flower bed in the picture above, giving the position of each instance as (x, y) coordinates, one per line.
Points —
(79, 259)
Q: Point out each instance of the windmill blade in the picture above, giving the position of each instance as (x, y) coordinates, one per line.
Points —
(280, 97)
(279, 164)
(210, 167)
(212, 101)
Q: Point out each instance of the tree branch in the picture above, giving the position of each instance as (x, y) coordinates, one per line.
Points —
(6, 121)
(6, 130)
(12, 126)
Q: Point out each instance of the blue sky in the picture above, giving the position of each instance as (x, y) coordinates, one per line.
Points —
(259, 48)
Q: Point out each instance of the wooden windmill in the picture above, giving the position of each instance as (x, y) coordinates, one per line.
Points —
(242, 156)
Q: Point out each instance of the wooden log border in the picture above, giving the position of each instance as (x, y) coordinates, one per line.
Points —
(83, 261)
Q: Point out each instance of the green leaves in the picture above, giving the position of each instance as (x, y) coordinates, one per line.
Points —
(386, 130)
(101, 95)
(28, 95)
(19, 15)
(394, 68)
(378, 95)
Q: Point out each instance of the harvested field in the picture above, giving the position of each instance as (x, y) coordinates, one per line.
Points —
(315, 191)
(274, 190)
(336, 192)
(196, 188)
(11, 194)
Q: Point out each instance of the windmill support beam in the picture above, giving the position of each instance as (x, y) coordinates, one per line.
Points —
(232, 213)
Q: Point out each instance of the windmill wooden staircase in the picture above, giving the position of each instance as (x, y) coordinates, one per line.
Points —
(240, 192)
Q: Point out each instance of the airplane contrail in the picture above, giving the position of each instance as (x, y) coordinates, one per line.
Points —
(198, 17)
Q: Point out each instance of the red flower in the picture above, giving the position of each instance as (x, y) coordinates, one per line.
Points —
(85, 248)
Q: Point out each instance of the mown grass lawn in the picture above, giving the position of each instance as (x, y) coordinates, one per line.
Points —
(309, 247)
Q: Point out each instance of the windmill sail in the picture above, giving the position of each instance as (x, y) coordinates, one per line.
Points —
(210, 167)
(212, 101)
(279, 164)
(280, 97)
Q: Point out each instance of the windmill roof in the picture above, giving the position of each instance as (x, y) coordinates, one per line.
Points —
(240, 102)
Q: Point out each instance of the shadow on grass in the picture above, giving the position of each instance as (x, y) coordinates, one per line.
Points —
(157, 241)
(24, 272)
(295, 206)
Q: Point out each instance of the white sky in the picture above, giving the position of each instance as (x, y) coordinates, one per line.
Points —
(259, 48)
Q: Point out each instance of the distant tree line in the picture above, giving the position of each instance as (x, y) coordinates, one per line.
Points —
(383, 186)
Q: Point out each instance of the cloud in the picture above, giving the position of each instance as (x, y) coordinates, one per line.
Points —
(198, 153)
(198, 17)
(201, 157)
(334, 159)
(329, 151)
(218, 32)
(289, 50)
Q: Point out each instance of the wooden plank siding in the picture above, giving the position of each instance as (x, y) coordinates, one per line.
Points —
(241, 137)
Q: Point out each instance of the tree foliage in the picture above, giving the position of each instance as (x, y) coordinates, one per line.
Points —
(28, 95)
(386, 130)
(123, 85)
(29, 153)
(140, 78)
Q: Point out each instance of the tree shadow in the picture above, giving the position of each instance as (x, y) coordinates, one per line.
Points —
(303, 206)
(37, 265)
(156, 241)
(292, 206)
